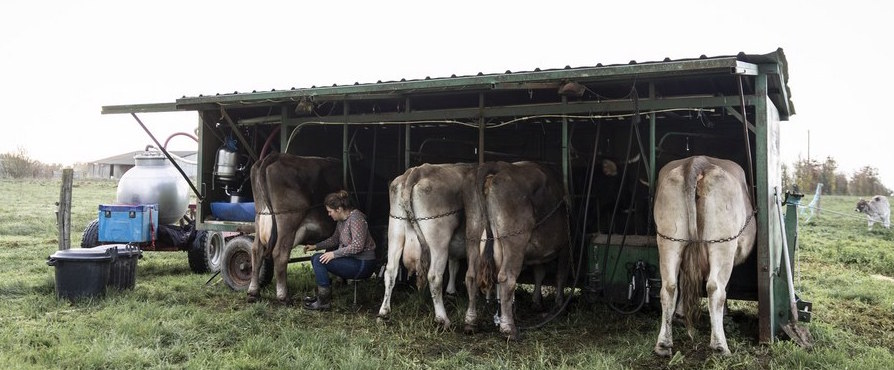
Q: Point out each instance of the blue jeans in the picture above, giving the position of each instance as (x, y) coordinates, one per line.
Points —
(344, 267)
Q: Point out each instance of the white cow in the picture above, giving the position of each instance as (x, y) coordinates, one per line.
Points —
(427, 227)
(877, 210)
(705, 225)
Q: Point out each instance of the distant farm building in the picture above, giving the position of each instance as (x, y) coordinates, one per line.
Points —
(116, 166)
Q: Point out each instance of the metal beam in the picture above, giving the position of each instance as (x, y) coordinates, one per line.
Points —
(565, 154)
(481, 123)
(572, 108)
(141, 108)
(407, 138)
(250, 149)
(765, 261)
(733, 112)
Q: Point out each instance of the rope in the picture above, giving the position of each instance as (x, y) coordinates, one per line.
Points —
(821, 209)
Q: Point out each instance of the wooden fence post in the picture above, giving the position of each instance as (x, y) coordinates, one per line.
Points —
(63, 212)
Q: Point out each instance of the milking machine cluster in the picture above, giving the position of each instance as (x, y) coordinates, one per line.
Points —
(231, 171)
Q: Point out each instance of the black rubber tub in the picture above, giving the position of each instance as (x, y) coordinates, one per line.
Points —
(123, 270)
(81, 272)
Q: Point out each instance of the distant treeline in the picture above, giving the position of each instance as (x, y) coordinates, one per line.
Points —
(19, 165)
(805, 174)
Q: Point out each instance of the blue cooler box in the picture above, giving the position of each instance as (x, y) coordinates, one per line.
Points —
(127, 223)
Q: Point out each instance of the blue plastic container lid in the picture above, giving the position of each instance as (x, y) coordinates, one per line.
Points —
(126, 207)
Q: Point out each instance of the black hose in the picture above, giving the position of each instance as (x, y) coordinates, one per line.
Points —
(638, 272)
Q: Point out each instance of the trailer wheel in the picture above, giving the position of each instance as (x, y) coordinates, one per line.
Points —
(90, 238)
(214, 247)
(198, 262)
(235, 265)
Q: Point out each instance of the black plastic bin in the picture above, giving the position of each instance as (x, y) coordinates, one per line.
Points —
(81, 272)
(123, 270)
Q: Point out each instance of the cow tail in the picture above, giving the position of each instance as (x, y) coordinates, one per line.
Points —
(262, 174)
(487, 271)
(406, 202)
(694, 262)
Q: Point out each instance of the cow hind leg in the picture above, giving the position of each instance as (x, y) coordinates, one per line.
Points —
(257, 256)
(669, 261)
(281, 253)
(721, 260)
(471, 315)
(506, 292)
(537, 297)
(396, 239)
(507, 277)
(472, 255)
(436, 281)
(453, 269)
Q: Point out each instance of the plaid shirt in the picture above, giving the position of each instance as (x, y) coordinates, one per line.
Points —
(352, 238)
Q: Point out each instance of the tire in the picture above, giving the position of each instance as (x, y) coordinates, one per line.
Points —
(198, 262)
(235, 266)
(90, 238)
(214, 247)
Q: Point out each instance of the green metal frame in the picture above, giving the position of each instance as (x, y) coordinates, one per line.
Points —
(770, 101)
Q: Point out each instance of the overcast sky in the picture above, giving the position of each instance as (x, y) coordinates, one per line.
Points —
(61, 61)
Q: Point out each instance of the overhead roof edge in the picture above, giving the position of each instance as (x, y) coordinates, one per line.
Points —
(481, 81)
(743, 64)
(140, 108)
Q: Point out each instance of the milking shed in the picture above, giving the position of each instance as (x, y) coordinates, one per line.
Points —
(630, 118)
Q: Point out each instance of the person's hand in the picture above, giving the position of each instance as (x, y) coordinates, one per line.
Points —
(326, 257)
(309, 247)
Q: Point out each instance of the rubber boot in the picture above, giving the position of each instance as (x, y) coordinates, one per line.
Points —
(311, 298)
(322, 303)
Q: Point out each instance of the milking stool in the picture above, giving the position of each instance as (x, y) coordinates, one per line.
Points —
(354, 282)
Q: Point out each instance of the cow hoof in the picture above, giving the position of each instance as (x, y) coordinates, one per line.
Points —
(286, 302)
(514, 335)
(251, 298)
(383, 320)
(663, 350)
(469, 329)
(721, 350)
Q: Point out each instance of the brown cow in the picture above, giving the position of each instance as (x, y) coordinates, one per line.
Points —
(288, 193)
(427, 227)
(522, 205)
(705, 225)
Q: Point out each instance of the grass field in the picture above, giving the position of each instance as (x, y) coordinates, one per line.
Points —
(173, 319)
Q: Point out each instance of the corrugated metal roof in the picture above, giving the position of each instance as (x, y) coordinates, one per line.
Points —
(739, 63)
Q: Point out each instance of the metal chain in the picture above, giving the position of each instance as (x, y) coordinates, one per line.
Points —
(522, 231)
(417, 219)
(714, 241)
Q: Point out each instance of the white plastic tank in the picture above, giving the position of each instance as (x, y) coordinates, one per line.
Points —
(154, 179)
